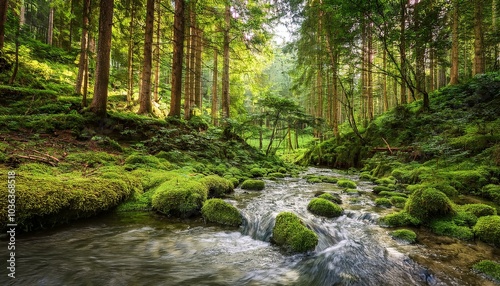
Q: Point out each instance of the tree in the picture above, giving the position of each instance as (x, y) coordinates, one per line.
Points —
(3, 20)
(454, 45)
(479, 64)
(225, 65)
(177, 56)
(83, 63)
(145, 94)
(99, 101)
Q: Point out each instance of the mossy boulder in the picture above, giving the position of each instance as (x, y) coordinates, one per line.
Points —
(137, 161)
(487, 229)
(217, 186)
(491, 192)
(398, 201)
(345, 183)
(404, 234)
(383, 202)
(425, 204)
(180, 198)
(379, 189)
(253, 185)
(489, 268)
(448, 227)
(323, 207)
(219, 211)
(332, 198)
(290, 233)
(479, 210)
(257, 172)
(398, 219)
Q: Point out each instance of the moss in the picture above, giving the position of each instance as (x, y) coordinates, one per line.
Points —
(219, 211)
(328, 179)
(401, 218)
(444, 187)
(448, 227)
(314, 180)
(467, 181)
(91, 159)
(487, 229)
(180, 198)
(36, 169)
(384, 202)
(253, 185)
(489, 268)
(217, 186)
(275, 175)
(386, 181)
(345, 183)
(398, 201)
(332, 198)
(137, 161)
(491, 192)
(366, 177)
(257, 172)
(323, 207)
(405, 234)
(429, 203)
(290, 233)
(392, 194)
(379, 189)
(479, 210)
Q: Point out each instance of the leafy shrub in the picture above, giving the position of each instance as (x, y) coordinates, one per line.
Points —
(217, 186)
(253, 185)
(491, 192)
(487, 229)
(385, 202)
(405, 234)
(489, 268)
(290, 233)
(401, 218)
(428, 203)
(479, 210)
(180, 198)
(323, 207)
(332, 198)
(219, 211)
(345, 183)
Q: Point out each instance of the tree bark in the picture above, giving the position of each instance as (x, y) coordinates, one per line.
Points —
(178, 54)
(454, 45)
(215, 103)
(83, 46)
(130, 56)
(402, 52)
(479, 64)
(99, 101)
(50, 30)
(225, 68)
(189, 58)
(3, 20)
(157, 54)
(198, 70)
(145, 95)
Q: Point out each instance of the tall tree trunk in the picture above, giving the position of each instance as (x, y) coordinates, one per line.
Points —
(83, 46)
(495, 27)
(454, 45)
(157, 54)
(198, 70)
(86, 77)
(402, 52)
(145, 95)
(479, 64)
(369, 73)
(215, 102)
(99, 102)
(3, 20)
(178, 54)
(225, 67)
(50, 30)
(130, 55)
(384, 81)
(189, 58)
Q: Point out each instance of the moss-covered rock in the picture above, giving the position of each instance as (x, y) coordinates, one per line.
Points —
(479, 210)
(217, 186)
(180, 198)
(392, 194)
(386, 181)
(345, 183)
(398, 219)
(323, 207)
(405, 234)
(219, 211)
(491, 192)
(253, 185)
(257, 172)
(487, 229)
(334, 198)
(379, 189)
(489, 268)
(290, 233)
(384, 202)
(448, 227)
(425, 204)
(136, 161)
(398, 201)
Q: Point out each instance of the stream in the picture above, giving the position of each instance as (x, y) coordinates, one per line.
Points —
(146, 249)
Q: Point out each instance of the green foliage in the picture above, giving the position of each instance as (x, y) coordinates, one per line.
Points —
(217, 186)
(290, 233)
(392, 194)
(253, 185)
(380, 189)
(489, 268)
(106, 142)
(398, 201)
(487, 229)
(179, 198)
(405, 234)
(467, 181)
(448, 227)
(324, 207)
(491, 192)
(401, 218)
(386, 181)
(345, 183)
(257, 172)
(91, 159)
(219, 211)
(332, 198)
(425, 204)
(384, 202)
(136, 161)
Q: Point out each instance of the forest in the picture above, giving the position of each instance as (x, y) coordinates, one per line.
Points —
(191, 113)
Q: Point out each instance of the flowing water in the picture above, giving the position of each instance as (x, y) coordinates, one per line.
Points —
(145, 249)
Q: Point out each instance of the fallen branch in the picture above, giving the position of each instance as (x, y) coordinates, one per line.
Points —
(388, 146)
(48, 155)
(38, 159)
